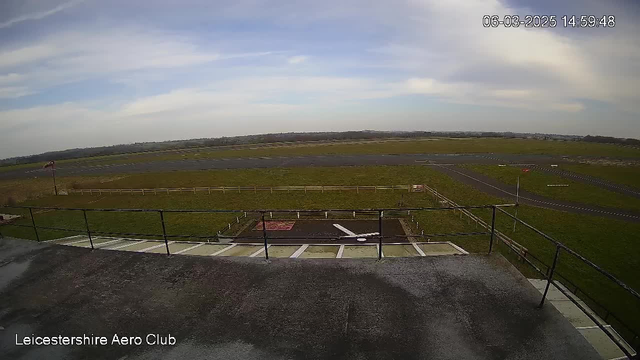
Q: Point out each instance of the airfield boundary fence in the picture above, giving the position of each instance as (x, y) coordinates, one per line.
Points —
(549, 273)
(238, 189)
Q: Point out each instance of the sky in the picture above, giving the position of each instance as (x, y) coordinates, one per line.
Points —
(92, 73)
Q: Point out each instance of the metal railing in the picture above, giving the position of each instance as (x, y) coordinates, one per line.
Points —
(548, 274)
(378, 212)
(551, 271)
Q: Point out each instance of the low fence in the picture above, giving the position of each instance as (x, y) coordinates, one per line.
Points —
(547, 272)
(255, 189)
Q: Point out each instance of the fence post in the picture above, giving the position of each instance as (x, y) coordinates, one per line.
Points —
(33, 221)
(550, 276)
(164, 232)
(264, 235)
(493, 229)
(380, 235)
(86, 223)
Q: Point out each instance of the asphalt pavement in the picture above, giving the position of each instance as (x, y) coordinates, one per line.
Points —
(497, 188)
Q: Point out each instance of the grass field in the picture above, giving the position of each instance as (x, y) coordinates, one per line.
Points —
(623, 175)
(609, 243)
(537, 181)
(391, 146)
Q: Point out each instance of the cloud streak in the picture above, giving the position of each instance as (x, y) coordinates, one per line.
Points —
(39, 15)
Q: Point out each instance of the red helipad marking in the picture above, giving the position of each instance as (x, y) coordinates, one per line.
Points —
(276, 225)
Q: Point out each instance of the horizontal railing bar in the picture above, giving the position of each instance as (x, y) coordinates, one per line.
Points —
(580, 257)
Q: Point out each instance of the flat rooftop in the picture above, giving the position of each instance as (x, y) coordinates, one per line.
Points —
(440, 307)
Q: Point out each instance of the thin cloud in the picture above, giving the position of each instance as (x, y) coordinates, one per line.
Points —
(39, 15)
(297, 59)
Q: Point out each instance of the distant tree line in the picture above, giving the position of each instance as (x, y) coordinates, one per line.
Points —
(124, 149)
(611, 140)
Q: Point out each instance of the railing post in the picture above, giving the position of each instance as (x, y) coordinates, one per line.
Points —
(493, 229)
(264, 235)
(86, 223)
(164, 232)
(380, 235)
(33, 221)
(550, 276)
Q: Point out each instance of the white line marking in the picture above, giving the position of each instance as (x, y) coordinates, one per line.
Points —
(344, 229)
(223, 250)
(298, 252)
(418, 249)
(592, 327)
(340, 251)
(106, 243)
(124, 246)
(155, 247)
(458, 248)
(65, 238)
(187, 249)
(259, 251)
(77, 241)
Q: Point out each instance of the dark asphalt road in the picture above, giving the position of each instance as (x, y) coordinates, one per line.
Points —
(281, 162)
(499, 189)
(443, 307)
(625, 190)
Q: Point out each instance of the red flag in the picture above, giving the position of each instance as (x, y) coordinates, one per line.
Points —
(49, 164)
(526, 170)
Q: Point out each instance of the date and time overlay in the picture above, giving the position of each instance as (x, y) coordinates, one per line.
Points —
(549, 21)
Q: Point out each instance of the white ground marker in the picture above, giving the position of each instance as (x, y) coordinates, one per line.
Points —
(458, 248)
(126, 245)
(340, 251)
(107, 243)
(187, 249)
(155, 246)
(66, 238)
(259, 251)
(77, 241)
(418, 249)
(378, 249)
(223, 250)
(299, 252)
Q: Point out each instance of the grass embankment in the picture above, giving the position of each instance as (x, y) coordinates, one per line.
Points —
(382, 146)
(609, 243)
(623, 175)
(537, 181)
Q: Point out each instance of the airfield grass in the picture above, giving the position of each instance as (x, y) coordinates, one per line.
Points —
(379, 146)
(537, 181)
(623, 175)
(18, 190)
(610, 243)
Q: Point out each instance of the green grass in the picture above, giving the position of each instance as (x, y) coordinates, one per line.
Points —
(359, 175)
(537, 181)
(623, 175)
(445, 145)
(383, 146)
(612, 244)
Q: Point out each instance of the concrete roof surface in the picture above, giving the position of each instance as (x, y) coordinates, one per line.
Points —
(444, 307)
